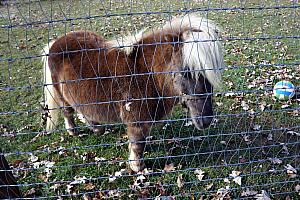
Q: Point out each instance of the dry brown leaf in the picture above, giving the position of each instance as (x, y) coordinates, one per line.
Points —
(30, 192)
(247, 139)
(297, 188)
(209, 186)
(256, 127)
(293, 133)
(33, 158)
(222, 193)
(111, 179)
(189, 123)
(180, 181)
(199, 173)
(263, 196)
(86, 197)
(285, 150)
(245, 106)
(169, 167)
(291, 171)
(275, 161)
(248, 193)
(236, 177)
(127, 106)
(238, 180)
(89, 186)
(270, 137)
(122, 172)
(226, 180)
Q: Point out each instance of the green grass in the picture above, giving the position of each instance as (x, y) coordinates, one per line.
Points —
(253, 68)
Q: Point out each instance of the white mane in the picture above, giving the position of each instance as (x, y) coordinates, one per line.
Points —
(202, 49)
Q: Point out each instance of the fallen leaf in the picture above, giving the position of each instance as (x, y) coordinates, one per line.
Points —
(122, 172)
(33, 158)
(161, 197)
(256, 127)
(127, 106)
(144, 193)
(263, 196)
(247, 139)
(285, 106)
(70, 189)
(169, 167)
(285, 150)
(297, 188)
(262, 106)
(180, 181)
(199, 173)
(209, 186)
(223, 142)
(238, 180)
(100, 159)
(222, 193)
(86, 197)
(55, 187)
(189, 123)
(244, 105)
(140, 181)
(147, 171)
(236, 177)
(248, 193)
(79, 180)
(226, 180)
(291, 171)
(89, 186)
(219, 104)
(165, 126)
(293, 133)
(111, 179)
(275, 161)
(114, 193)
(270, 137)
(30, 192)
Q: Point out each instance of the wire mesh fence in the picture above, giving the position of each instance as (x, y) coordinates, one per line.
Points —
(152, 91)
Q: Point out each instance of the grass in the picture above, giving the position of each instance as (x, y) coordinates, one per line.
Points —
(240, 140)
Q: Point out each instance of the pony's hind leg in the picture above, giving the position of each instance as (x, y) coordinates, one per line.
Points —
(68, 113)
(94, 126)
(137, 135)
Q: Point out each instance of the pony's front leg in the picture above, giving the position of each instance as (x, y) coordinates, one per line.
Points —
(70, 121)
(136, 134)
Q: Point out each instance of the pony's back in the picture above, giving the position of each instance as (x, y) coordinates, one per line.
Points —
(83, 70)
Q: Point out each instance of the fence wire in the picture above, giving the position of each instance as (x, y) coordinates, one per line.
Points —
(250, 150)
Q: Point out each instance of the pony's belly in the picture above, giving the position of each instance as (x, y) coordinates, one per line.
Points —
(99, 114)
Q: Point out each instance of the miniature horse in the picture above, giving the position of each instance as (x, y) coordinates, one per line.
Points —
(137, 81)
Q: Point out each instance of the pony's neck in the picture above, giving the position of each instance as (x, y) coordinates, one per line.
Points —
(159, 53)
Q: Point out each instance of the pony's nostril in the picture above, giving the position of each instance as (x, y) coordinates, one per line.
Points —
(206, 121)
(202, 122)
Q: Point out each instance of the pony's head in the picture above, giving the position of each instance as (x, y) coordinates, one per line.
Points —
(196, 58)
(199, 67)
(196, 97)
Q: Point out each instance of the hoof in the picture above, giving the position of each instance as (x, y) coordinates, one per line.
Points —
(98, 130)
(73, 132)
(136, 166)
(135, 163)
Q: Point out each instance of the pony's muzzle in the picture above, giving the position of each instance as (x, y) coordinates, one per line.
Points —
(202, 122)
(200, 110)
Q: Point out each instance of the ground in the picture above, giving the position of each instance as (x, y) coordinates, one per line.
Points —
(252, 146)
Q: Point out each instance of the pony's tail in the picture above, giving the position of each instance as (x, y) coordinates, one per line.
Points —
(202, 47)
(50, 100)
